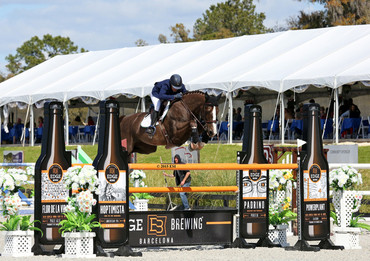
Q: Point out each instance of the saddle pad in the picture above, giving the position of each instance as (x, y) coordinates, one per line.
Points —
(145, 123)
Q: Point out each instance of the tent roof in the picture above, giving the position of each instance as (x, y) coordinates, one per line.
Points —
(277, 61)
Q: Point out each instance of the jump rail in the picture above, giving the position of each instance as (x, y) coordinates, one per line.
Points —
(209, 166)
(185, 189)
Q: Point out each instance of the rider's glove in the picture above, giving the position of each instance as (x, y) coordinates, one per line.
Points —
(178, 95)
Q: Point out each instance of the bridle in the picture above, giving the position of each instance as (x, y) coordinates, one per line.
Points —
(202, 113)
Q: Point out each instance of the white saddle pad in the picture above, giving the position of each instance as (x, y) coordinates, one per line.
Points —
(145, 123)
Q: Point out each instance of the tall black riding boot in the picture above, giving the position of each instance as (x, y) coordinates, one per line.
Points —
(154, 119)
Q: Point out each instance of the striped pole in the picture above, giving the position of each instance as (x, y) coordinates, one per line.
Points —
(209, 166)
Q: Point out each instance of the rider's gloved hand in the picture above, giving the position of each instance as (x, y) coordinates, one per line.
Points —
(178, 95)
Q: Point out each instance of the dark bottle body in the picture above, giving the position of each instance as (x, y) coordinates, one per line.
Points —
(112, 165)
(50, 194)
(315, 207)
(254, 196)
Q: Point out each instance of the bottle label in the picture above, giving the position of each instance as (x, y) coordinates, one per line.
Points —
(112, 199)
(315, 205)
(314, 182)
(254, 203)
(53, 196)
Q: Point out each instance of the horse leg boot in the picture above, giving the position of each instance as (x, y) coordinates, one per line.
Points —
(194, 139)
(154, 119)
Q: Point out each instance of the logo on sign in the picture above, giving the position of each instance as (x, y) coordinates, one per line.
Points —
(157, 225)
(255, 175)
(55, 173)
(315, 173)
(112, 174)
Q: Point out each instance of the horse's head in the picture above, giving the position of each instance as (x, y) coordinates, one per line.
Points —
(210, 114)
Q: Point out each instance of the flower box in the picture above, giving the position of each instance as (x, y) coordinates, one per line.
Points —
(343, 203)
(141, 204)
(18, 243)
(349, 237)
(278, 235)
(79, 244)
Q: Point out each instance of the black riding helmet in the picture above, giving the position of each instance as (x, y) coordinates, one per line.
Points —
(176, 81)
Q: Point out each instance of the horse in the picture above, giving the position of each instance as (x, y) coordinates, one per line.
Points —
(183, 119)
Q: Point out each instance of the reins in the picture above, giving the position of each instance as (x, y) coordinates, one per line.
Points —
(195, 117)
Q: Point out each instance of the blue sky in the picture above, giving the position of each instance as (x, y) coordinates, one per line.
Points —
(108, 24)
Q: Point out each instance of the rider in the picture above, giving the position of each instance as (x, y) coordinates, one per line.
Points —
(169, 89)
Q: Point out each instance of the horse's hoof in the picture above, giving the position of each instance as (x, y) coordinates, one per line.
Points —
(200, 145)
(193, 146)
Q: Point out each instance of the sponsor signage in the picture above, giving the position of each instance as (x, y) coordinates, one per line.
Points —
(13, 156)
(174, 228)
(342, 153)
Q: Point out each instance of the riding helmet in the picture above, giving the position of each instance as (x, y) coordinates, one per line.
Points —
(176, 81)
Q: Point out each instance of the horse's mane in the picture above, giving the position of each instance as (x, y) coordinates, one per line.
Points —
(194, 92)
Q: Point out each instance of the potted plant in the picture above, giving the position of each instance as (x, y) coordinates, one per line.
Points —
(18, 230)
(343, 181)
(346, 202)
(140, 199)
(280, 215)
(79, 222)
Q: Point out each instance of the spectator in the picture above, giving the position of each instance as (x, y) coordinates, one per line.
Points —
(40, 122)
(90, 121)
(238, 116)
(312, 101)
(353, 112)
(299, 112)
(183, 180)
(322, 112)
(77, 121)
(287, 114)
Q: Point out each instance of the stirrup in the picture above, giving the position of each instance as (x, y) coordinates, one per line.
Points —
(150, 130)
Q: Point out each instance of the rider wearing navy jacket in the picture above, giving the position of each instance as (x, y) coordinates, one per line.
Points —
(169, 89)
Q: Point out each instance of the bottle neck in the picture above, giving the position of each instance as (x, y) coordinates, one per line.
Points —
(255, 149)
(314, 141)
(113, 139)
(56, 136)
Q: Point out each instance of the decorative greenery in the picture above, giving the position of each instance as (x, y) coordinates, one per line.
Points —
(354, 222)
(16, 222)
(141, 196)
(83, 182)
(280, 213)
(344, 178)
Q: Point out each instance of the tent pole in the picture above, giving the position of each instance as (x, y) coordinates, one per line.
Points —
(23, 137)
(66, 123)
(231, 118)
(96, 128)
(282, 118)
(32, 132)
(143, 104)
(336, 111)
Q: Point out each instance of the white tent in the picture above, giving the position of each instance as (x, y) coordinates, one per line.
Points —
(277, 61)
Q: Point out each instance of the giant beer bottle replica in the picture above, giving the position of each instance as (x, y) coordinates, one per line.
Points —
(254, 196)
(111, 164)
(315, 206)
(313, 188)
(50, 194)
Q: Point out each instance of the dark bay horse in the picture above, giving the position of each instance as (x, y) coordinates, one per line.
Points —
(184, 119)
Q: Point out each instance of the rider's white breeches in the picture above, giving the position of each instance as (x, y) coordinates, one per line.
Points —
(156, 102)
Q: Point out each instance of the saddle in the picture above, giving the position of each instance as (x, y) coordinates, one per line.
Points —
(165, 106)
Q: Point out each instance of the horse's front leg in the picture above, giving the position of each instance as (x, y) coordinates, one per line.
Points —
(195, 143)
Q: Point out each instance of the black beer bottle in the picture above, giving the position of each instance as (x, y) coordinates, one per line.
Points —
(50, 194)
(112, 169)
(254, 196)
(315, 185)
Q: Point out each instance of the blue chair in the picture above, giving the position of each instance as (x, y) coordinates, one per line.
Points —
(89, 131)
(73, 133)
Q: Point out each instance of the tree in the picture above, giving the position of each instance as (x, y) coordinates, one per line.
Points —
(36, 51)
(230, 18)
(180, 33)
(338, 12)
(227, 19)
(141, 42)
(318, 19)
